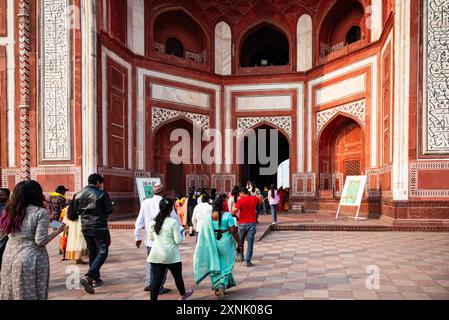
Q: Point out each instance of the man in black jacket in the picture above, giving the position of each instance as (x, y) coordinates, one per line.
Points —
(93, 206)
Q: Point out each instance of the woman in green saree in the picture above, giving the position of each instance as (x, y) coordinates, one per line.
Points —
(215, 250)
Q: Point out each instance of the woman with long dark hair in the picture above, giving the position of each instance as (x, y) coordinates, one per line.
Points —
(25, 272)
(166, 236)
(273, 200)
(215, 250)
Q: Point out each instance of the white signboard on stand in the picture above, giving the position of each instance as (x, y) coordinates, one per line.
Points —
(145, 187)
(352, 193)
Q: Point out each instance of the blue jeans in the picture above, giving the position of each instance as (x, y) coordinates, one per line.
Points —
(248, 231)
(274, 212)
(149, 277)
(98, 245)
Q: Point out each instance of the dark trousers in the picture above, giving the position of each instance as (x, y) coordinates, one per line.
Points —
(158, 274)
(149, 277)
(98, 246)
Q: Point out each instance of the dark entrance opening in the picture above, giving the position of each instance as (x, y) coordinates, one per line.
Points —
(251, 171)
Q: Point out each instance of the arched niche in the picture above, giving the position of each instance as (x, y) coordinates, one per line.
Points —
(304, 46)
(264, 45)
(343, 16)
(223, 49)
(178, 25)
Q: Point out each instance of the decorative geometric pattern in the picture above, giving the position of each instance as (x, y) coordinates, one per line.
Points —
(356, 109)
(243, 124)
(304, 178)
(161, 115)
(10, 172)
(310, 265)
(424, 193)
(55, 77)
(436, 77)
(352, 167)
(235, 10)
(25, 88)
(375, 193)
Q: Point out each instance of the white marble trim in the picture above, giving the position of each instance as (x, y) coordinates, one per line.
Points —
(266, 87)
(142, 73)
(384, 48)
(11, 84)
(370, 61)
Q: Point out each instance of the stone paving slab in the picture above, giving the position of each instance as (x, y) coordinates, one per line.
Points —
(288, 265)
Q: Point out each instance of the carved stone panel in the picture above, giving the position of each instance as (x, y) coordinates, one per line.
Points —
(436, 77)
(161, 115)
(284, 123)
(356, 109)
(56, 135)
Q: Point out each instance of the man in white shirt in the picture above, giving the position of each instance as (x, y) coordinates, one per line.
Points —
(201, 212)
(149, 209)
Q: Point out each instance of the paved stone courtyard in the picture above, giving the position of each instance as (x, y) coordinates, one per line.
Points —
(289, 265)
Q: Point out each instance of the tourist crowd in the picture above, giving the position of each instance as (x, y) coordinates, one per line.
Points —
(221, 223)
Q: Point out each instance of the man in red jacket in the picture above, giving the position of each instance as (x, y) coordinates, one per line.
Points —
(247, 206)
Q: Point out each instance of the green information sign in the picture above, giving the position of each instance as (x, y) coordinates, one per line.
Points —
(352, 193)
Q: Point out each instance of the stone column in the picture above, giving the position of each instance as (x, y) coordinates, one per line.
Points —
(24, 86)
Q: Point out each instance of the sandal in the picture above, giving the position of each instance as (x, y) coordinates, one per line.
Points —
(221, 292)
(186, 295)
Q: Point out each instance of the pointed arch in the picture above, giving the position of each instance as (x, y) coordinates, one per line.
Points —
(223, 49)
(304, 46)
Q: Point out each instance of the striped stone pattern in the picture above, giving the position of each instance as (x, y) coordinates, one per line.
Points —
(24, 86)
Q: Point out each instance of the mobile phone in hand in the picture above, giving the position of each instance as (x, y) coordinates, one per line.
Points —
(55, 224)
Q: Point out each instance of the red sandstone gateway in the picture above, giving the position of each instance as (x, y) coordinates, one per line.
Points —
(354, 87)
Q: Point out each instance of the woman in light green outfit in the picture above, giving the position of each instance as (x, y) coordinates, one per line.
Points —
(215, 250)
(166, 236)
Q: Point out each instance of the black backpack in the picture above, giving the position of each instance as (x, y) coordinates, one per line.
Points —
(72, 212)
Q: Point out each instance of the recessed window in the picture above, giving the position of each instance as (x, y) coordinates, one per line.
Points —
(174, 47)
(265, 46)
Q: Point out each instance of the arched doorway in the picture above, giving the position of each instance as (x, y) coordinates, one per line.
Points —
(340, 154)
(168, 164)
(250, 169)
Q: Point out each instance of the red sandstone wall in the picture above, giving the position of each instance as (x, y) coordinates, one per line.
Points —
(2, 18)
(117, 20)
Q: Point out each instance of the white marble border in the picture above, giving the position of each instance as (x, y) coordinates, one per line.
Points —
(142, 73)
(279, 102)
(105, 53)
(181, 97)
(52, 70)
(299, 86)
(400, 172)
(370, 61)
(384, 48)
(340, 90)
(8, 41)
